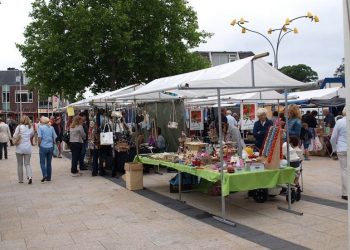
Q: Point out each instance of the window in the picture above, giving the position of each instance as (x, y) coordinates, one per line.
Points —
(232, 57)
(6, 97)
(24, 96)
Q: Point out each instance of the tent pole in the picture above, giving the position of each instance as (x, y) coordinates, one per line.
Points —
(223, 205)
(289, 209)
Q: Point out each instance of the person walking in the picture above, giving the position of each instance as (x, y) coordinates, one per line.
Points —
(23, 134)
(230, 119)
(77, 137)
(5, 137)
(339, 145)
(59, 132)
(46, 140)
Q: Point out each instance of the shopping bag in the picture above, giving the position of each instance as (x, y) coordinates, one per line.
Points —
(106, 137)
(318, 144)
(55, 150)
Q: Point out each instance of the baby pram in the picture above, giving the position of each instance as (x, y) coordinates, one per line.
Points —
(298, 185)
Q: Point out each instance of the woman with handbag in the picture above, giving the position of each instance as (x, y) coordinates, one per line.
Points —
(77, 137)
(22, 140)
(46, 140)
(59, 132)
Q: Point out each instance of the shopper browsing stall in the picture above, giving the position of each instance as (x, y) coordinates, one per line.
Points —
(294, 120)
(230, 119)
(161, 144)
(77, 137)
(261, 127)
(329, 120)
(339, 145)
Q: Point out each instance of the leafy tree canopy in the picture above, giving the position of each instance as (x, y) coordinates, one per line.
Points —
(300, 72)
(71, 45)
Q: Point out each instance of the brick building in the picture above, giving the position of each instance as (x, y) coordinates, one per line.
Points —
(15, 95)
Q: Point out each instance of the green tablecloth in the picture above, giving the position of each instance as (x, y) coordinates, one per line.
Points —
(242, 181)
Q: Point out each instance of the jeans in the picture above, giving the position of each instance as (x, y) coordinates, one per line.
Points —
(83, 153)
(95, 156)
(45, 162)
(76, 148)
(21, 158)
(3, 145)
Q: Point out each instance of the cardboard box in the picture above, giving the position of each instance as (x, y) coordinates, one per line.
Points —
(134, 176)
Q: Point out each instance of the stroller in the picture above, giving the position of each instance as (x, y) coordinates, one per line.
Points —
(298, 185)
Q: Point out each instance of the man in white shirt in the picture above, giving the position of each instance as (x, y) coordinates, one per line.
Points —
(232, 122)
(339, 145)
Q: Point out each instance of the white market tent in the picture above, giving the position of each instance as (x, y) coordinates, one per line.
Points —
(318, 94)
(245, 75)
(101, 98)
(261, 97)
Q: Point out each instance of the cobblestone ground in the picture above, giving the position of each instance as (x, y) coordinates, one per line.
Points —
(95, 213)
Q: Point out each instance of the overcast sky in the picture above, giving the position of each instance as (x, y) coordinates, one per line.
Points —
(319, 45)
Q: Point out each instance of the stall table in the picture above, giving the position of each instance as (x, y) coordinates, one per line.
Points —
(240, 181)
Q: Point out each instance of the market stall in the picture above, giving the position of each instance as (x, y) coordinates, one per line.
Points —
(247, 75)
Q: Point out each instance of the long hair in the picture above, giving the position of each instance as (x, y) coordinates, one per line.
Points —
(294, 111)
(26, 121)
(76, 121)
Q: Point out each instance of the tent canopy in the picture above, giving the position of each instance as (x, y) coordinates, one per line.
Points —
(261, 97)
(319, 94)
(232, 78)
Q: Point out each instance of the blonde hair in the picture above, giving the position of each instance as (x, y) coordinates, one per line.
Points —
(294, 111)
(76, 121)
(26, 121)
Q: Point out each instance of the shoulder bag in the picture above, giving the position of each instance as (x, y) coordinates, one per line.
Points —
(106, 138)
(17, 140)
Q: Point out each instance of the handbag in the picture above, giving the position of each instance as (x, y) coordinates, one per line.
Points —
(172, 123)
(106, 138)
(55, 150)
(17, 140)
(122, 147)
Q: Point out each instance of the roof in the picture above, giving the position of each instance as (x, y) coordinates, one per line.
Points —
(232, 78)
(8, 77)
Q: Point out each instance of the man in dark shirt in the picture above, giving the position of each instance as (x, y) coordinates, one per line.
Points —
(329, 120)
(310, 119)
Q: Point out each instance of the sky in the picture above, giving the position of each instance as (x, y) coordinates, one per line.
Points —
(319, 45)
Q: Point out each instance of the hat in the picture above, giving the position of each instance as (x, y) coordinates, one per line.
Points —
(44, 120)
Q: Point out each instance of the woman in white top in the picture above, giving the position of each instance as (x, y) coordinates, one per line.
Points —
(5, 136)
(340, 145)
(24, 148)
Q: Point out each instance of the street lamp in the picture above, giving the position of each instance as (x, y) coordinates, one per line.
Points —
(284, 30)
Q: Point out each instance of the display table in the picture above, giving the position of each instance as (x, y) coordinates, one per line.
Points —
(241, 181)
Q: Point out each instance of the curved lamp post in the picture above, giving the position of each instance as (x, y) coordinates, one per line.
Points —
(283, 31)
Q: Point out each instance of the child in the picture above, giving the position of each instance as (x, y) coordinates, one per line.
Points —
(306, 136)
(295, 155)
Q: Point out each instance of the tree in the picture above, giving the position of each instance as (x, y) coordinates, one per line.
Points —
(340, 71)
(72, 45)
(300, 72)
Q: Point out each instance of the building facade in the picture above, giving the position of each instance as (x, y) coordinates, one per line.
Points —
(15, 96)
(221, 57)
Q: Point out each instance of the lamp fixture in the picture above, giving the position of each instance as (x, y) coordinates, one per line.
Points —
(316, 19)
(242, 21)
(243, 30)
(287, 22)
(309, 14)
(295, 30)
(233, 22)
(269, 31)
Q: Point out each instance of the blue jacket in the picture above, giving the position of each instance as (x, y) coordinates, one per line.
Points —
(294, 127)
(260, 131)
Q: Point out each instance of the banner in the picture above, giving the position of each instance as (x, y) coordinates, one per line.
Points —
(248, 115)
(196, 119)
(70, 111)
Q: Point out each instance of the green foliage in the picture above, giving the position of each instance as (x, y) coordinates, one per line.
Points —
(300, 72)
(74, 44)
